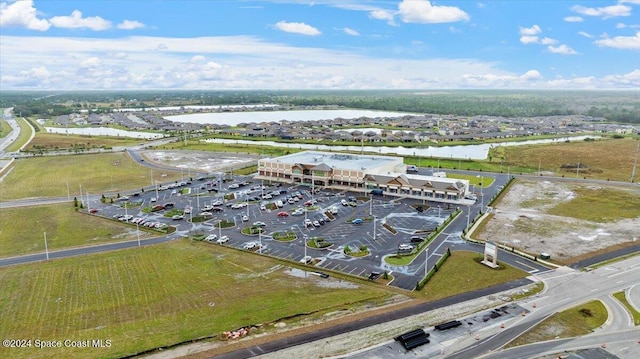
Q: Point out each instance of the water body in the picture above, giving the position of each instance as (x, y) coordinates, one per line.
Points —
(471, 152)
(104, 131)
(235, 118)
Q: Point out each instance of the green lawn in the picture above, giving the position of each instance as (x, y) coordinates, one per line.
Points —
(622, 298)
(157, 296)
(461, 273)
(579, 320)
(23, 229)
(612, 204)
(96, 173)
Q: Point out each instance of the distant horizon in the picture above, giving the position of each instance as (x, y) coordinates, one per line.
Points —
(322, 44)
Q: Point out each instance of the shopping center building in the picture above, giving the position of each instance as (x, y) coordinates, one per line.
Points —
(365, 173)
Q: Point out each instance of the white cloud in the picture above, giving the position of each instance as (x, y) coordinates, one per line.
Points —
(531, 75)
(76, 21)
(22, 14)
(573, 19)
(604, 12)
(350, 31)
(242, 62)
(585, 34)
(621, 42)
(297, 28)
(529, 39)
(130, 25)
(562, 49)
(528, 31)
(423, 12)
(384, 15)
(548, 41)
(481, 5)
(636, 2)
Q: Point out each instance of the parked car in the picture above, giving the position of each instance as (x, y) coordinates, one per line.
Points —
(316, 224)
(416, 239)
(223, 240)
(211, 237)
(308, 222)
(217, 203)
(93, 210)
(263, 207)
(216, 209)
(153, 199)
(177, 217)
(250, 245)
(344, 202)
(259, 224)
(245, 218)
(283, 214)
(357, 221)
(405, 247)
(306, 259)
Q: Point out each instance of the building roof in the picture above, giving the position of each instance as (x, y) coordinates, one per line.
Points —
(338, 160)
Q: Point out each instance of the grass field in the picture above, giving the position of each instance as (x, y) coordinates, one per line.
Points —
(573, 322)
(23, 229)
(156, 296)
(612, 204)
(54, 141)
(4, 128)
(461, 273)
(96, 173)
(606, 159)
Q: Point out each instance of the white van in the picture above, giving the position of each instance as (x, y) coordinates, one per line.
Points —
(333, 210)
(279, 204)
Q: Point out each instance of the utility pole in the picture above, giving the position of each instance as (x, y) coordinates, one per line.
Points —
(46, 248)
(426, 262)
(635, 163)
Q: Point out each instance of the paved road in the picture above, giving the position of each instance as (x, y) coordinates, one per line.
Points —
(566, 288)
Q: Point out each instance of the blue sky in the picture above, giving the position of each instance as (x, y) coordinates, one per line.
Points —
(321, 44)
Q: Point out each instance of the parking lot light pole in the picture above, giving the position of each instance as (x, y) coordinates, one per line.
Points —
(46, 248)
(219, 228)
(125, 212)
(374, 228)
(260, 240)
(426, 262)
(138, 233)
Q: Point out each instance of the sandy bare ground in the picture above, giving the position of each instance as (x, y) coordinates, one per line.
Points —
(521, 220)
(203, 161)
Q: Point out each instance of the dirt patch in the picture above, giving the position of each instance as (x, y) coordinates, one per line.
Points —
(202, 161)
(521, 219)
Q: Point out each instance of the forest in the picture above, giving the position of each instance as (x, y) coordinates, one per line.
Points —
(615, 106)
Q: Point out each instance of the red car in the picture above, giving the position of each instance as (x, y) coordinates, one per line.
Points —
(283, 214)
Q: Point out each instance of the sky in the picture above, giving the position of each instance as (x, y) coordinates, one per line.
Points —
(320, 44)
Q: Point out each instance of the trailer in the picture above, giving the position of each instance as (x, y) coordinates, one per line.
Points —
(448, 325)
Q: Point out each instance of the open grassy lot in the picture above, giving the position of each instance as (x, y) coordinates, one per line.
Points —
(604, 159)
(25, 133)
(96, 173)
(573, 322)
(57, 142)
(612, 204)
(4, 128)
(156, 296)
(23, 229)
(461, 273)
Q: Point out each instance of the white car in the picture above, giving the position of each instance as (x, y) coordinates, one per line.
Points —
(344, 202)
(223, 240)
(153, 199)
(306, 259)
(250, 245)
(217, 203)
(308, 222)
(187, 210)
(263, 207)
(267, 196)
(405, 247)
(245, 218)
(316, 224)
(234, 186)
(211, 238)
(177, 217)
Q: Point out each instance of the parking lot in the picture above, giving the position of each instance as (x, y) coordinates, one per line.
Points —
(197, 206)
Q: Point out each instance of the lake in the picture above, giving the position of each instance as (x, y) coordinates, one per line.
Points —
(471, 152)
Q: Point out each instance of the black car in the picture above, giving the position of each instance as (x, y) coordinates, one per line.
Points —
(169, 205)
(417, 239)
(321, 220)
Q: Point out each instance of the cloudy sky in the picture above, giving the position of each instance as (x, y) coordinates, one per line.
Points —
(319, 44)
